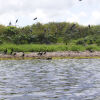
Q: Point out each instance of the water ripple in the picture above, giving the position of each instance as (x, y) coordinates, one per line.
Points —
(63, 79)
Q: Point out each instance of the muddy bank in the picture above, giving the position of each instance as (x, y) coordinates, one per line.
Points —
(50, 55)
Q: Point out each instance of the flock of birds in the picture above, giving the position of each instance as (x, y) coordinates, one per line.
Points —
(39, 53)
(10, 24)
(23, 54)
(12, 52)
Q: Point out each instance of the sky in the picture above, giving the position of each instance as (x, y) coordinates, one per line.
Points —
(84, 12)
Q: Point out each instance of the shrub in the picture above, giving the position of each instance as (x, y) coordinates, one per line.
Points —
(80, 42)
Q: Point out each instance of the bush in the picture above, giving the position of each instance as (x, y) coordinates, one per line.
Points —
(1, 42)
(80, 42)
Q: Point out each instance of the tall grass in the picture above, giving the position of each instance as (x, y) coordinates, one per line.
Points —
(49, 48)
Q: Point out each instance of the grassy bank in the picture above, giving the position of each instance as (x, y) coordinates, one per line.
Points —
(49, 48)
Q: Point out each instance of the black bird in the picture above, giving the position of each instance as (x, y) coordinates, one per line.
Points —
(31, 30)
(9, 23)
(11, 53)
(14, 54)
(72, 26)
(44, 52)
(23, 54)
(80, 0)
(89, 26)
(5, 51)
(16, 20)
(40, 53)
(49, 58)
(91, 50)
(12, 50)
(45, 30)
(35, 18)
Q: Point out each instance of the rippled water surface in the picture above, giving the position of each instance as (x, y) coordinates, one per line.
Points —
(64, 79)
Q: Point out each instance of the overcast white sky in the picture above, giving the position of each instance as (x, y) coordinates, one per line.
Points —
(84, 12)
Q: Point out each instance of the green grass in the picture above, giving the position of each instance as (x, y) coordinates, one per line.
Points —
(49, 48)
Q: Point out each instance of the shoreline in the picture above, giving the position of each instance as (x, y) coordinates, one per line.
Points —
(52, 55)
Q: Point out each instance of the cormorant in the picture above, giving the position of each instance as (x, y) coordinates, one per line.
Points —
(72, 26)
(49, 58)
(11, 53)
(12, 50)
(44, 52)
(89, 26)
(45, 30)
(5, 51)
(40, 53)
(23, 54)
(14, 54)
(16, 20)
(9, 23)
(35, 18)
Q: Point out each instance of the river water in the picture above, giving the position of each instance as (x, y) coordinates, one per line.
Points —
(63, 79)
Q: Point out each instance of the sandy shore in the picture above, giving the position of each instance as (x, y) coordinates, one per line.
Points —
(50, 55)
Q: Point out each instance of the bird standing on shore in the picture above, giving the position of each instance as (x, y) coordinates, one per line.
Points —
(49, 58)
(12, 50)
(44, 52)
(14, 54)
(40, 53)
(23, 55)
(5, 51)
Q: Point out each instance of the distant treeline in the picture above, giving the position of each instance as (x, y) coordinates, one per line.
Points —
(50, 33)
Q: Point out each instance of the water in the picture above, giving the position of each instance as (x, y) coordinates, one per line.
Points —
(64, 79)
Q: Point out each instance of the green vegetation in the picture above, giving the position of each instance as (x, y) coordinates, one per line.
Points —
(50, 37)
(49, 48)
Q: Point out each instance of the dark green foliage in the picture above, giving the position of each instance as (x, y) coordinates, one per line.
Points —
(10, 30)
(98, 42)
(80, 42)
(89, 48)
(50, 33)
(1, 42)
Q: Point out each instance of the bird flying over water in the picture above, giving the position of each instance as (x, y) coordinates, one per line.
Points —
(80, 0)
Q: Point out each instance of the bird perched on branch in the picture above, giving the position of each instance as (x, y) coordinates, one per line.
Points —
(89, 26)
(45, 29)
(31, 30)
(72, 26)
